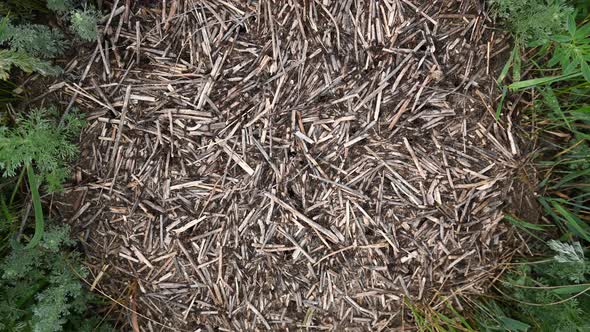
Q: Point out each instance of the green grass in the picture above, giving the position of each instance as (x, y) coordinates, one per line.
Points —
(551, 291)
(446, 318)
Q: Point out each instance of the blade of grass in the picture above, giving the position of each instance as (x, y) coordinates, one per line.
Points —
(551, 101)
(517, 64)
(570, 177)
(568, 290)
(506, 67)
(575, 224)
(526, 226)
(501, 102)
(39, 220)
(540, 81)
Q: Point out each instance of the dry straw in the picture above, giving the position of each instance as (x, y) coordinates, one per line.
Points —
(282, 164)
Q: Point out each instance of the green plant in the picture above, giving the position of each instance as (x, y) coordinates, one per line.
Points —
(84, 23)
(24, 62)
(20, 58)
(34, 39)
(445, 319)
(572, 49)
(40, 288)
(60, 6)
(22, 8)
(493, 317)
(533, 21)
(550, 295)
(569, 48)
(40, 148)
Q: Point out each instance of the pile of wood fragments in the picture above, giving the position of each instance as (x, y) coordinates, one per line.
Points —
(280, 164)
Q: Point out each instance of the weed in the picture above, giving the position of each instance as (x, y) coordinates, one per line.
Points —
(445, 319)
(24, 62)
(34, 39)
(60, 6)
(16, 57)
(552, 294)
(84, 23)
(41, 148)
(533, 21)
(40, 288)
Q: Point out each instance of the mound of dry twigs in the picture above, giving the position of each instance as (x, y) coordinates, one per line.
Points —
(280, 164)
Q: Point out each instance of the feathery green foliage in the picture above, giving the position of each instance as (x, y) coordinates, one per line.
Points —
(552, 295)
(37, 140)
(40, 288)
(34, 39)
(85, 23)
(42, 148)
(24, 62)
(60, 6)
(16, 57)
(28, 43)
(22, 8)
(534, 21)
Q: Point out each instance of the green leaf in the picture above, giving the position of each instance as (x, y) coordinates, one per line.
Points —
(571, 24)
(563, 39)
(585, 70)
(575, 224)
(39, 220)
(541, 81)
(517, 64)
(583, 31)
(513, 325)
(60, 6)
(569, 290)
(570, 66)
(25, 62)
(570, 177)
(582, 113)
(3, 25)
(85, 23)
(558, 54)
(36, 40)
(552, 103)
(524, 224)
(501, 102)
(43, 148)
(506, 67)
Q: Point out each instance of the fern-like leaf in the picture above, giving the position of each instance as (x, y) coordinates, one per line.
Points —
(25, 62)
(40, 142)
(85, 23)
(35, 39)
(534, 20)
(60, 6)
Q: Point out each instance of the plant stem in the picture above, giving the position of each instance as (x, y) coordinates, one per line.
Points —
(20, 178)
(39, 221)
